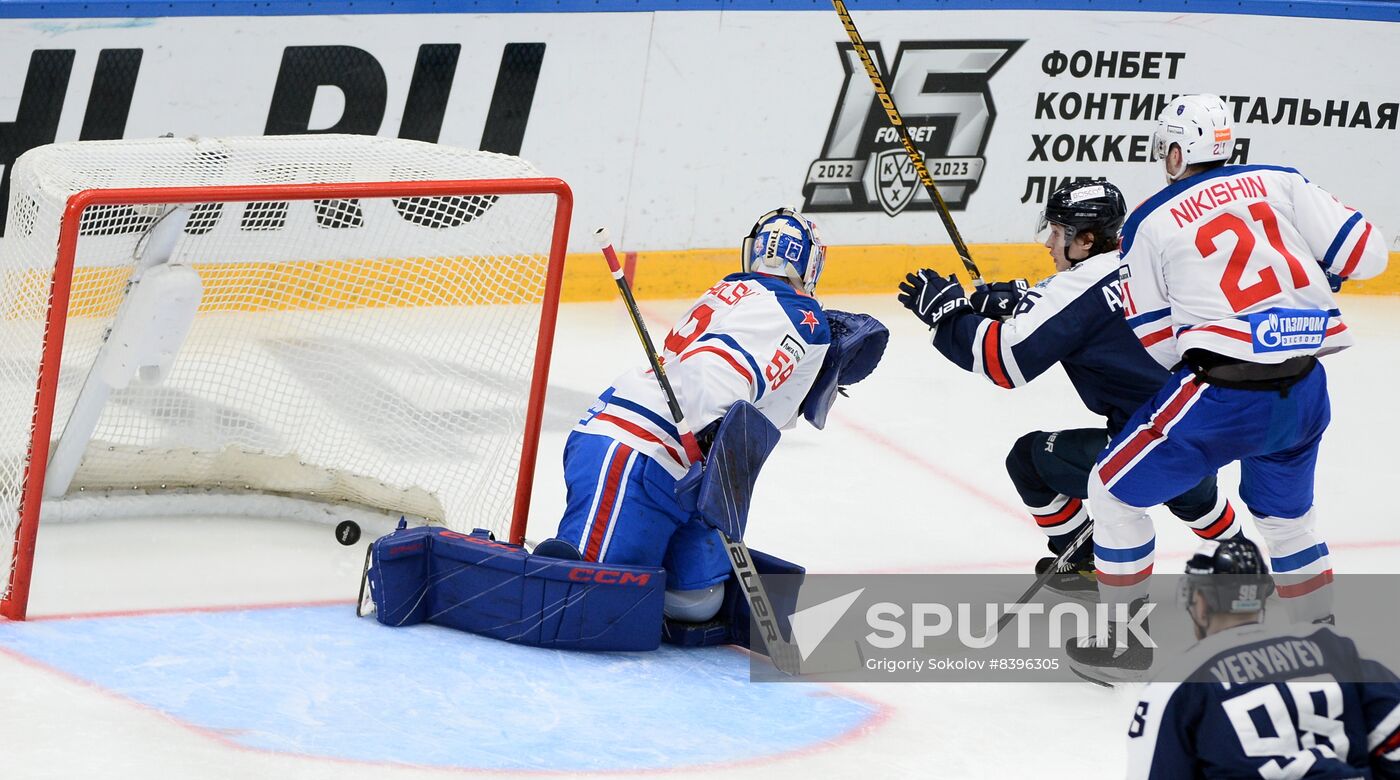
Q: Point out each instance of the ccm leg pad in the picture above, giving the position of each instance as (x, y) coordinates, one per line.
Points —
(472, 583)
(731, 625)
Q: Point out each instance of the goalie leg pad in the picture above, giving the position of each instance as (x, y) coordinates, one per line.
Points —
(731, 625)
(472, 583)
(782, 580)
(558, 548)
(721, 492)
(398, 576)
(694, 606)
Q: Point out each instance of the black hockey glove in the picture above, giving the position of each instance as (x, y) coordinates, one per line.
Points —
(930, 296)
(1333, 280)
(998, 299)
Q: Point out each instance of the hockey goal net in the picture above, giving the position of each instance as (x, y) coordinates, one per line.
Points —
(345, 319)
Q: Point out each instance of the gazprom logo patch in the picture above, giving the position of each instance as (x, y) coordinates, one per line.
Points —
(1283, 329)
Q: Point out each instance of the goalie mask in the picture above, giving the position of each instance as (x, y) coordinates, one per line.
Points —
(1094, 206)
(1200, 126)
(785, 243)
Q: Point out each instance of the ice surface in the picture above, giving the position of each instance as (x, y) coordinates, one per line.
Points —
(908, 476)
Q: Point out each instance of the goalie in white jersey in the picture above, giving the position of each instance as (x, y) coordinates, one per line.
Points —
(1228, 275)
(759, 336)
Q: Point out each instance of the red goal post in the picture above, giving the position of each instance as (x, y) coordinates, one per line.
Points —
(46, 406)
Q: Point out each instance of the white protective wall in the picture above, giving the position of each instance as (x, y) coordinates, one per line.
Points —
(677, 128)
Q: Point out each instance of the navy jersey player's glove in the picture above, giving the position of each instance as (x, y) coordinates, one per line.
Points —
(998, 299)
(1333, 280)
(930, 296)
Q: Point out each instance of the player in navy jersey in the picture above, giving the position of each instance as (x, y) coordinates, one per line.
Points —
(758, 336)
(1227, 281)
(1073, 318)
(1252, 702)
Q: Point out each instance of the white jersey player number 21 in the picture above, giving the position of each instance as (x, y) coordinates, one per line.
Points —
(1240, 295)
(1268, 238)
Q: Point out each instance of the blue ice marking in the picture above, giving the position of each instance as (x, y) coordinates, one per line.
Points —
(318, 681)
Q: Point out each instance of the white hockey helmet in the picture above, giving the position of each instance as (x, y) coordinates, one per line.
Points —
(1198, 124)
(785, 243)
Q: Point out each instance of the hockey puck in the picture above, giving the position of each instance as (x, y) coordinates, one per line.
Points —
(347, 533)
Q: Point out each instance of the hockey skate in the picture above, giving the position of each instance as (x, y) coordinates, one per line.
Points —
(1076, 577)
(1105, 663)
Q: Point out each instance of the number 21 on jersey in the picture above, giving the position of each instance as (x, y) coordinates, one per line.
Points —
(1242, 296)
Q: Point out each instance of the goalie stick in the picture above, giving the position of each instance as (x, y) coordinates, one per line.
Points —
(782, 652)
(915, 158)
(1078, 541)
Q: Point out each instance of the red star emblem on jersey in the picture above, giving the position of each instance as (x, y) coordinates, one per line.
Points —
(810, 320)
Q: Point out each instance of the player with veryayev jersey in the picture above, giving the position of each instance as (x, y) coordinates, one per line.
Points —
(758, 336)
(1227, 277)
(1011, 335)
(1249, 701)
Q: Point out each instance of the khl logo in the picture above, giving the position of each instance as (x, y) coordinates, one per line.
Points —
(942, 89)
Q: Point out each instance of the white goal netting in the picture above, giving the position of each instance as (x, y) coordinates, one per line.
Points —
(375, 350)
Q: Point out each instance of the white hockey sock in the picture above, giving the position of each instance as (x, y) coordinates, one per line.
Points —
(1301, 565)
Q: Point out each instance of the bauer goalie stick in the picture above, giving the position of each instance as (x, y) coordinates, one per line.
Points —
(915, 158)
(782, 652)
(1078, 541)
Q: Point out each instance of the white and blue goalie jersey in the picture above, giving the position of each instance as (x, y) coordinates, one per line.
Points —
(751, 337)
(1268, 703)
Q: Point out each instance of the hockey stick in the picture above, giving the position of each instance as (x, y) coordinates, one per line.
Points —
(782, 652)
(692, 447)
(915, 158)
(1078, 541)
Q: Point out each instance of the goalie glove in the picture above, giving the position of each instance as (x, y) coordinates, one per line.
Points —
(857, 343)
